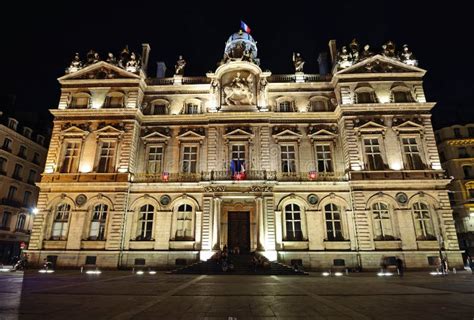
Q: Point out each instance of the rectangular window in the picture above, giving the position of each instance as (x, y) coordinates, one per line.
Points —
(401, 96)
(32, 177)
(412, 154)
(5, 220)
(463, 152)
(12, 123)
(113, 102)
(3, 166)
(285, 106)
(318, 105)
(468, 172)
(457, 133)
(7, 144)
(155, 159)
(373, 154)
(238, 152)
(27, 132)
(12, 193)
(98, 223)
(184, 219)
(36, 158)
(159, 109)
(106, 156)
(71, 157)
(27, 199)
(22, 152)
(471, 193)
(470, 131)
(364, 97)
(288, 159)
(80, 102)
(17, 173)
(191, 108)
(189, 164)
(323, 158)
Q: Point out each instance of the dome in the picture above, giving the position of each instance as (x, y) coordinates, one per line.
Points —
(238, 43)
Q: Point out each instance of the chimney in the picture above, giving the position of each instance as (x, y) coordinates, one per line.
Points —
(145, 54)
(333, 51)
(160, 69)
(323, 63)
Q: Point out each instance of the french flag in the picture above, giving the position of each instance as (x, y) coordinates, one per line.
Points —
(244, 26)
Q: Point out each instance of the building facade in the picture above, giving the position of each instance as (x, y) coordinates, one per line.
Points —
(456, 149)
(321, 168)
(22, 158)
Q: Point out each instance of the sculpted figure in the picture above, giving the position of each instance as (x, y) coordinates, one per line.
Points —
(111, 59)
(132, 65)
(366, 53)
(354, 51)
(124, 57)
(76, 64)
(389, 50)
(298, 62)
(344, 58)
(92, 57)
(247, 56)
(407, 57)
(179, 67)
(239, 90)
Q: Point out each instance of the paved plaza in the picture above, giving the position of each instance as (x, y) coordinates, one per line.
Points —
(123, 295)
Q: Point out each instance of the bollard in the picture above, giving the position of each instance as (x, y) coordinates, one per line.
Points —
(347, 272)
(82, 269)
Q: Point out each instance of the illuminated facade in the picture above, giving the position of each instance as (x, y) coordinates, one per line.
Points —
(310, 167)
(456, 149)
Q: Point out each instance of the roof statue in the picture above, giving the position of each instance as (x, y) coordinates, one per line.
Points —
(407, 57)
(366, 53)
(298, 62)
(111, 59)
(389, 50)
(354, 45)
(76, 64)
(124, 56)
(179, 66)
(92, 57)
(344, 58)
(133, 65)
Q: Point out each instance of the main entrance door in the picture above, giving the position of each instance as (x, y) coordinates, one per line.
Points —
(239, 230)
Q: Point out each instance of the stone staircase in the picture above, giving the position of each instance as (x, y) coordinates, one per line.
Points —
(242, 265)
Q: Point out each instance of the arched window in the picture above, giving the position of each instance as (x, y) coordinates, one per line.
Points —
(80, 101)
(401, 94)
(184, 222)
(114, 100)
(382, 223)
(157, 107)
(60, 223)
(285, 106)
(365, 94)
(333, 222)
(318, 104)
(293, 222)
(98, 222)
(423, 225)
(20, 224)
(145, 223)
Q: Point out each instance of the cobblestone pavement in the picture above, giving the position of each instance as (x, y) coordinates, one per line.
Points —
(119, 295)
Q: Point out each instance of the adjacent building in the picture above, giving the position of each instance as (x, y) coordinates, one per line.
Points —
(456, 150)
(22, 157)
(336, 168)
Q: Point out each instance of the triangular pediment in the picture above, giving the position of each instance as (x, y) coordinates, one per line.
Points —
(190, 135)
(322, 134)
(74, 131)
(238, 134)
(380, 64)
(155, 136)
(371, 126)
(408, 126)
(287, 134)
(100, 70)
(108, 131)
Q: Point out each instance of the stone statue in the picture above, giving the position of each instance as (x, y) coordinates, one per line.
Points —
(247, 56)
(366, 53)
(76, 64)
(239, 90)
(179, 67)
(344, 58)
(389, 50)
(354, 51)
(124, 57)
(92, 57)
(407, 57)
(298, 62)
(214, 86)
(111, 59)
(133, 65)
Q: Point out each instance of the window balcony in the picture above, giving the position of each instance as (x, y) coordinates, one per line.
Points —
(397, 175)
(8, 149)
(11, 202)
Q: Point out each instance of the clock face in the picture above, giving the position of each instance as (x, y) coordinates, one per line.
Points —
(402, 197)
(165, 200)
(81, 199)
(313, 199)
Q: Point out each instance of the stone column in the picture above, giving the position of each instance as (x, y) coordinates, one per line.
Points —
(260, 223)
(216, 224)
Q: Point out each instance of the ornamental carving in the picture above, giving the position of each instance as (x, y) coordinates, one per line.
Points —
(214, 188)
(238, 88)
(261, 189)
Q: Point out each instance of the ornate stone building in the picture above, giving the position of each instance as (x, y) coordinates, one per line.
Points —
(456, 149)
(310, 167)
(22, 157)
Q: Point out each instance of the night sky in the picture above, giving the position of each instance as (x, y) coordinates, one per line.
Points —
(38, 42)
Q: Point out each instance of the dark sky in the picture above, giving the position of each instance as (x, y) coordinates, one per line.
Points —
(39, 40)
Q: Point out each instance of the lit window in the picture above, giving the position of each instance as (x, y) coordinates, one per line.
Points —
(382, 223)
(184, 220)
(145, 223)
(60, 223)
(98, 222)
(293, 222)
(323, 158)
(71, 157)
(155, 159)
(106, 161)
(288, 159)
(333, 222)
(114, 101)
(373, 154)
(318, 105)
(20, 224)
(189, 164)
(423, 224)
(80, 102)
(412, 154)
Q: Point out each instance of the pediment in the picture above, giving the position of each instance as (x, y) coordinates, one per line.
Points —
(100, 70)
(108, 131)
(74, 131)
(287, 135)
(380, 64)
(238, 134)
(190, 136)
(155, 137)
(371, 126)
(322, 134)
(408, 126)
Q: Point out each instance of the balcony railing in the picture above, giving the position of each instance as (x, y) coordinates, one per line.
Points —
(307, 176)
(398, 175)
(11, 202)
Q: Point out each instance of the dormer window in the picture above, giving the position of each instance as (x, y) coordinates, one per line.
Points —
(191, 108)
(401, 93)
(27, 132)
(40, 139)
(365, 97)
(80, 101)
(285, 106)
(318, 104)
(159, 109)
(12, 123)
(114, 100)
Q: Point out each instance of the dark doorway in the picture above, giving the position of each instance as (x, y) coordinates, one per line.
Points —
(239, 231)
